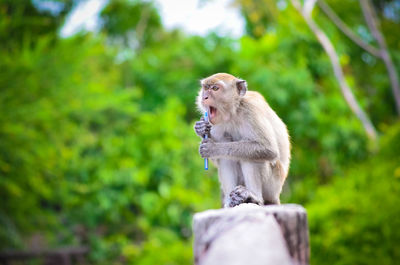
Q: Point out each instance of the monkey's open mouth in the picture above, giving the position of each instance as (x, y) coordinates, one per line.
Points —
(213, 112)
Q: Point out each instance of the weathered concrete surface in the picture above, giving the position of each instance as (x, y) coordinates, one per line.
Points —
(250, 234)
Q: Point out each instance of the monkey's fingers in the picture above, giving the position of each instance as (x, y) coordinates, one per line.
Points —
(200, 132)
(202, 123)
(204, 142)
(204, 150)
(202, 129)
(242, 195)
(199, 125)
(204, 155)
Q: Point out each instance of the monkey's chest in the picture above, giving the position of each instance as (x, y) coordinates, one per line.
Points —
(225, 136)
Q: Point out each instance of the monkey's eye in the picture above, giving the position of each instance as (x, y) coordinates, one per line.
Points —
(215, 88)
(206, 87)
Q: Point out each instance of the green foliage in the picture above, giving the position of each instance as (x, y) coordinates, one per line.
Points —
(97, 144)
(177, 70)
(355, 220)
(131, 21)
(259, 15)
(21, 21)
(77, 145)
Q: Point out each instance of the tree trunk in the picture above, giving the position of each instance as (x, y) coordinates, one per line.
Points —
(346, 30)
(372, 22)
(250, 234)
(337, 69)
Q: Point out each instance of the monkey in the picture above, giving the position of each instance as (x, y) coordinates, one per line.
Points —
(247, 141)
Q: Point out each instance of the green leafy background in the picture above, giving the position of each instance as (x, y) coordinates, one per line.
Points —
(97, 145)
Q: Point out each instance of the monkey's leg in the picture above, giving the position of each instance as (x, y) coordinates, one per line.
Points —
(228, 177)
(252, 192)
(274, 178)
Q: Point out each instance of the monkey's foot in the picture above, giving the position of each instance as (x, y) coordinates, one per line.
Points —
(242, 195)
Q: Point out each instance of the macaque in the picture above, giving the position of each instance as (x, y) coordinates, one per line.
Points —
(247, 141)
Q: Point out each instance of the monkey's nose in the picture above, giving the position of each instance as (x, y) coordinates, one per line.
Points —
(205, 97)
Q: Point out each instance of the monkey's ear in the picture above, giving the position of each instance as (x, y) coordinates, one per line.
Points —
(241, 86)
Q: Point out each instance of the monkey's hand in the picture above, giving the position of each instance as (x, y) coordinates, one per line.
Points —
(202, 128)
(208, 148)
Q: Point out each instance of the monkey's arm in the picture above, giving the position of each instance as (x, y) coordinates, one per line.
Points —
(241, 150)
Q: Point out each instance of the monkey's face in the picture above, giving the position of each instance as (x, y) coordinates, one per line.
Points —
(210, 96)
(219, 95)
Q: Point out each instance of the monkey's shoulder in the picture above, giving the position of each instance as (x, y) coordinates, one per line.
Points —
(253, 105)
(252, 96)
(254, 101)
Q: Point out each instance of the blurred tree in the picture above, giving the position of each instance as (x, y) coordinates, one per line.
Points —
(134, 24)
(381, 53)
(259, 15)
(359, 212)
(88, 163)
(21, 21)
(306, 11)
(365, 74)
(372, 22)
(176, 71)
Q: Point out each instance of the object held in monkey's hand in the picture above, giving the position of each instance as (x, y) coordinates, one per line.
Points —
(206, 137)
(242, 195)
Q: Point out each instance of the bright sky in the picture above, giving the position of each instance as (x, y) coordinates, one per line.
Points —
(194, 18)
(190, 15)
(84, 16)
